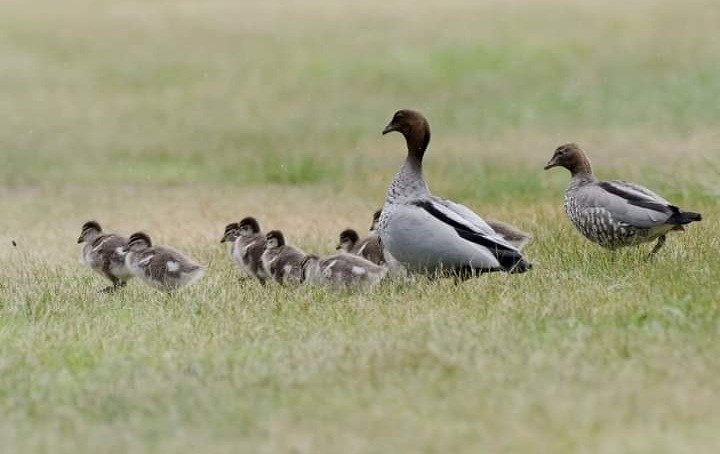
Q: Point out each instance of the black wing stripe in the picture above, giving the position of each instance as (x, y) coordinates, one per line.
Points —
(475, 237)
(633, 199)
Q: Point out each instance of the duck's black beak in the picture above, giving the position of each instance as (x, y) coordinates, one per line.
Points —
(389, 128)
(551, 163)
(80, 240)
(338, 247)
(125, 249)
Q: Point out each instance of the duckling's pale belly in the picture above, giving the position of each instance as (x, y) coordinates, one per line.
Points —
(598, 225)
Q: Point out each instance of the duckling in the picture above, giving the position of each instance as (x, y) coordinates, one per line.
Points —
(103, 253)
(160, 267)
(282, 262)
(430, 235)
(510, 233)
(615, 213)
(375, 219)
(369, 247)
(248, 244)
(342, 271)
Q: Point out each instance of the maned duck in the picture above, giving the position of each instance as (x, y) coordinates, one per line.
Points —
(342, 271)
(282, 262)
(615, 213)
(103, 253)
(248, 245)
(369, 247)
(160, 267)
(431, 235)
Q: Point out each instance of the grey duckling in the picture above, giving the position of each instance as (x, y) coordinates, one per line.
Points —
(369, 247)
(248, 245)
(160, 267)
(430, 235)
(342, 271)
(282, 263)
(615, 213)
(103, 253)
(510, 233)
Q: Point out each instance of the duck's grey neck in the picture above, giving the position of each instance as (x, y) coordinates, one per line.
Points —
(408, 183)
(581, 179)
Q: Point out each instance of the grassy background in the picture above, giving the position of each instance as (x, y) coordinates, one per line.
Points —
(178, 117)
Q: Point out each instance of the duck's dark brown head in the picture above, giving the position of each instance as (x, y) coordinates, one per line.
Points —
(232, 231)
(416, 129)
(572, 157)
(348, 238)
(376, 218)
(274, 239)
(89, 228)
(249, 226)
(138, 241)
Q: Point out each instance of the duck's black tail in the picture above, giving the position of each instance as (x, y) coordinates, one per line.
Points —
(683, 217)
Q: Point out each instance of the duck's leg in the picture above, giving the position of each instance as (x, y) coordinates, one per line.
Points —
(116, 284)
(658, 246)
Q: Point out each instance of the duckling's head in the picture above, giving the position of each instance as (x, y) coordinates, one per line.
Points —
(274, 239)
(376, 218)
(572, 157)
(232, 231)
(348, 238)
(138, 242)
(415, 127)
(89, 230)
(249, 226)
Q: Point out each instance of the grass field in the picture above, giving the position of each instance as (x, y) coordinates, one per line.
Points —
(177, 117)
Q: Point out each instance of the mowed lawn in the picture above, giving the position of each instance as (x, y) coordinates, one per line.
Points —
(178, 117)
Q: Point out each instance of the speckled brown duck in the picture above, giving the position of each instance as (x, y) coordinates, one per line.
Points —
(615, 213)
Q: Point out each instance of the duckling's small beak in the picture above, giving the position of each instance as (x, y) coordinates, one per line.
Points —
(223, 239)
(80, 240)
(125, 249)
(551, 163)
(389, 128)
(338, 247)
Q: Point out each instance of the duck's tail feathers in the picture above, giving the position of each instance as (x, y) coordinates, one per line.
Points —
(684, 217)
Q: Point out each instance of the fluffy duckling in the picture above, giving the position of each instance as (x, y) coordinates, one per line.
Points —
(103, 253)
(375, 219)
(248, 245)
(282, 262)
(369, 247)
(430, 235)
(342, 271)
(160, 267)
(615, 213)
(510, 233)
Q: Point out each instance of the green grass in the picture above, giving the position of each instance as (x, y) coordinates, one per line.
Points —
(177, 117)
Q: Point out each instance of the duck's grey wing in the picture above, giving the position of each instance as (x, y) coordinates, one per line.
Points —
(467, 215)
(505, 253)
(626, 203)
